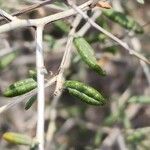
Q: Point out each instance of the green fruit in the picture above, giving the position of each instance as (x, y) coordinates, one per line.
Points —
(85, 93)
(124, 20)
(18, 139)
(7, 59)
(87, 55)
(20, 87)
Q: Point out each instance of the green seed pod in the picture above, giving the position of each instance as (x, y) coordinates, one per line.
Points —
(18, 139)
(85, 93)
(20, 87)
(7, 59)
(124, 20)
(140, 99)
(87, 54)
(33, 74)
(30, 102)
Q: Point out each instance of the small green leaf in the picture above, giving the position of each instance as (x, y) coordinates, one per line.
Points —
(7, 59)
(20, 87)
(30, 102)
(87, 54)
(18, 139)
(85, 93)
(140, 99)
(124, 20)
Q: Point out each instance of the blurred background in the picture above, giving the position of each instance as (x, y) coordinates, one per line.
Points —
(78, 125)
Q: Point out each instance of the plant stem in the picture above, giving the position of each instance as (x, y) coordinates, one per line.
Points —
(40, 87)
(7, 16)
(65, 63)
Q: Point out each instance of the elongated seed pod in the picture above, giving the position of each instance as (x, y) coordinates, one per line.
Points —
(85, 93)
(30, 102)
(18, 139)
(7, 59)
(124, 20)
(87, 54)
(20, 87)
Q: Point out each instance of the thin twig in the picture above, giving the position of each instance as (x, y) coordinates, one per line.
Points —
(110, 139)
(40, 87)
(51, 6)
(137, 46)
(60, 79)
(86, 27)
(30, 8)
(7, 16)
(42, 21)
(121, 142)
